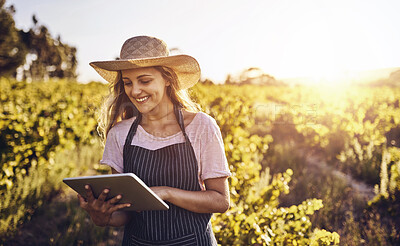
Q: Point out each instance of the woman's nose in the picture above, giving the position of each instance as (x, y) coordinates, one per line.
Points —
(135, 89)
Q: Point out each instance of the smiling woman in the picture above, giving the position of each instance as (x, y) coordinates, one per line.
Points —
(146, 89)
(154, 130)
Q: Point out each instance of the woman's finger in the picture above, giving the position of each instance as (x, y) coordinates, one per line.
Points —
(89, 193)
(115, 199)
(82, 201)
(119, 206)
(103, 195)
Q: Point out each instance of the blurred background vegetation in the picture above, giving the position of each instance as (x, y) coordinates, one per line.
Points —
(33, 55)
(311, 166)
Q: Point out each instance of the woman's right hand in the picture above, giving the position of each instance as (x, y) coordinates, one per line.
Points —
(99, 209)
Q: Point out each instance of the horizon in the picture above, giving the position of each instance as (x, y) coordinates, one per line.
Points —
(349, 77)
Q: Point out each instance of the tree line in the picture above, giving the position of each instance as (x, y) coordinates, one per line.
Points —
(35, 54)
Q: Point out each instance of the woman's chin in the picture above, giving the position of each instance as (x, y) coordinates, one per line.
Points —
(145, 109)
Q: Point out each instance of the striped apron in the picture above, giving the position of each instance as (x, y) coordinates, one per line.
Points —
(175, 166)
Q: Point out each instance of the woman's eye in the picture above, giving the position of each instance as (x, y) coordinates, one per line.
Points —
(145, 81)
(127, 83)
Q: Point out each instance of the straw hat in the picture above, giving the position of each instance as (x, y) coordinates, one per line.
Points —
(145, 51)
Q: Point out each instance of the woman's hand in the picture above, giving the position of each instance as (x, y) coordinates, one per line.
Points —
(100, 210)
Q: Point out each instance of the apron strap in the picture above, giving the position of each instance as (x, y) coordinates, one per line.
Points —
(133, 129)
(181, 122)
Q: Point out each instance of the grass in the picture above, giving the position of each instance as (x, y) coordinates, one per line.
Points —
(61, 221)
(345, 208)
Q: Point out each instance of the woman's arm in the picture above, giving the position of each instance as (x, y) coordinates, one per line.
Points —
(215, 199)
(119, 218)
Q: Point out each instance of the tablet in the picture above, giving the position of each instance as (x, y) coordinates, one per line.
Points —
(132, 189)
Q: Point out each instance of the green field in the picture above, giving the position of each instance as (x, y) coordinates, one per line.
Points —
(310, 166)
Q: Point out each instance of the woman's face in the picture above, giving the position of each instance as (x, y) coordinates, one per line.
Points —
(146, 88)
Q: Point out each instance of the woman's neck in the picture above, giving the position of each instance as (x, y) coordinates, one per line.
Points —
(162, 115)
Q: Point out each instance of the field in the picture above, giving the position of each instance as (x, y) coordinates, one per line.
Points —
(310, 166)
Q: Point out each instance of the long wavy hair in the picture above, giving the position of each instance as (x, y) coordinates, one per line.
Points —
(117, 106)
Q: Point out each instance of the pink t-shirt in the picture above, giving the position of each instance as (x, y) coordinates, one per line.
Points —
(204, 135)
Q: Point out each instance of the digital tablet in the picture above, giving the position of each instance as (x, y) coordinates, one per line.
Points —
(132, 189)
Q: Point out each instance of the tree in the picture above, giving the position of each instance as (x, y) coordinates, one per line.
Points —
(48, 57)
(229, 80)
(34, 54)
(255, 75)
(12, 50)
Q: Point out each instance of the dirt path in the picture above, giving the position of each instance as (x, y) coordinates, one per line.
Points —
(365, 191)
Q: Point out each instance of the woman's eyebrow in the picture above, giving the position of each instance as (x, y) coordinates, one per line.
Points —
(144, 75)
(138, 77)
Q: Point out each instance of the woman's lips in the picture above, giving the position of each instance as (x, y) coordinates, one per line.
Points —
(142, 99)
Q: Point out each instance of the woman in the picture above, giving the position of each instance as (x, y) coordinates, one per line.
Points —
(154, 130)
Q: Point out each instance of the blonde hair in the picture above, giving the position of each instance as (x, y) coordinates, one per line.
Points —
(117, 106)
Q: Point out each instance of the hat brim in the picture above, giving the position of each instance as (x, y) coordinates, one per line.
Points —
(186, 68)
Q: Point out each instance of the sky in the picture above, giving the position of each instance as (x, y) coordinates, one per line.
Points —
(321, 39)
